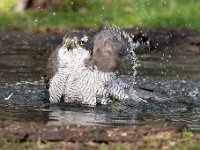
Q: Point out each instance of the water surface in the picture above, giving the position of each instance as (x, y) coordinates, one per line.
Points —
(23, 96)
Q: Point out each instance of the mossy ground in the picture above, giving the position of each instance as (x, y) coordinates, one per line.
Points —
(163, 140)
(93, 14)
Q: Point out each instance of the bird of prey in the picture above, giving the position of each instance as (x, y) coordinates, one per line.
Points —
(76, 73)
(62, 62)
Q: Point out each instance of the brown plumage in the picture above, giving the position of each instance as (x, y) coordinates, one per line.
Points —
(107, 52)
(51, 67)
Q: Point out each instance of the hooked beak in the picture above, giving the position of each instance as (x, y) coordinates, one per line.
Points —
(69, 44)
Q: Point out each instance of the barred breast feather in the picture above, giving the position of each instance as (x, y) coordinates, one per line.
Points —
(76, 82)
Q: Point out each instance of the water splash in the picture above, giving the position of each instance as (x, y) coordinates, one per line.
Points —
(130, 61)
(25, 93)
(7, 98)
(31, 94)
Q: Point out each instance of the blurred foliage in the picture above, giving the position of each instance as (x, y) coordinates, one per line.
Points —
(96, 13)
(7, 5)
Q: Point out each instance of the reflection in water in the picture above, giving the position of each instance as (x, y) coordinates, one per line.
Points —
(89, 116)
(23, 95)
(19, 113)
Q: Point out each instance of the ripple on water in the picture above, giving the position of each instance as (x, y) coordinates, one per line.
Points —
(29, 99)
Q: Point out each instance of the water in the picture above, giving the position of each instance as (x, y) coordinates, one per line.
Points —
(23, 96)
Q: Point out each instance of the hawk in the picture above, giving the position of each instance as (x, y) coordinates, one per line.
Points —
(84, 70)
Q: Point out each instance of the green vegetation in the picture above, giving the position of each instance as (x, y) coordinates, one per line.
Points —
(5, 145)
(166, 140)
(97, 13)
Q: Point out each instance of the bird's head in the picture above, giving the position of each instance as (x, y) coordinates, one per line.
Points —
(74, 45)
(74, 40)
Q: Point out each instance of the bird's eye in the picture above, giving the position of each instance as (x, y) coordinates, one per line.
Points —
(81, 43)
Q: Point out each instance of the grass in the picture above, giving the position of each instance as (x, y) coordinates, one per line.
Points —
(12, 145)
(93, 14)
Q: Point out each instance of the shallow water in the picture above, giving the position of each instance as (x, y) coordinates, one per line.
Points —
(23, 96)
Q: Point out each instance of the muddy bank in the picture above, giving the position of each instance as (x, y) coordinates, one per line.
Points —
(89, 137)
(15, 131)
(16, 135)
